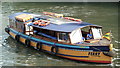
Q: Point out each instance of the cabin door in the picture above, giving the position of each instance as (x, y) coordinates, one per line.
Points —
(28, 29)
(76, 36)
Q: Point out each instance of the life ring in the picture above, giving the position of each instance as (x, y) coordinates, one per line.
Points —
(17, 37)
(7, 30)
(36, 22)
(27, 42)
(39, 46)
(44, 23)
(54, 49)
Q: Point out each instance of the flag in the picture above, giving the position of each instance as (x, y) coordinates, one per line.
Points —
(107, 36)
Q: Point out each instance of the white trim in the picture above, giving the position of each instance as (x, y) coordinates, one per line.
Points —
(96, 33)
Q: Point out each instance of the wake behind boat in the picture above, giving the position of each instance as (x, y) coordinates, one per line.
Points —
(66, 37)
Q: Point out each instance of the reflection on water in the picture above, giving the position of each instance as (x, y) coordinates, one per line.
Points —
(16, 54)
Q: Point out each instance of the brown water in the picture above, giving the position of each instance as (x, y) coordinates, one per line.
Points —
(16, 54)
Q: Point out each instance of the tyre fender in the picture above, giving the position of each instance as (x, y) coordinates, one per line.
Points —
(17, 37)
(27, 42)
(39, 46)
(7, 30)
(54, 49)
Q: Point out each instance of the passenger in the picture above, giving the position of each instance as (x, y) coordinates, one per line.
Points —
(89, 36)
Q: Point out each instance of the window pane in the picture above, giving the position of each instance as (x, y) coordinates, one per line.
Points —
(63, 36)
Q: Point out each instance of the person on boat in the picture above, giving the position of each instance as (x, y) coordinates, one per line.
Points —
(89, 35)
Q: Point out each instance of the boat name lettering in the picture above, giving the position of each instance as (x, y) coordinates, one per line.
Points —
(94, 54)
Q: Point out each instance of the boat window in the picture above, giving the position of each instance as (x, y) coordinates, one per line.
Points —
(85, 29)
(28, 29)
(85, 32)
(48, 32)
(63, 37)
(45, 33)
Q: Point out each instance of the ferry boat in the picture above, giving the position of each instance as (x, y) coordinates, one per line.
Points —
(65, 37)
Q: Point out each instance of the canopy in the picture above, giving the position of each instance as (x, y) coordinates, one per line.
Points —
(66, 27)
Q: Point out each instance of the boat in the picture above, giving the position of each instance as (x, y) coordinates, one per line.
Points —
(61, 36)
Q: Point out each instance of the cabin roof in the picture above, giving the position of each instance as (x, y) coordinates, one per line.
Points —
(67, 27)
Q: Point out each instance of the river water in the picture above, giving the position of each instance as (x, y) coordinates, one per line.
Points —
(13, 53)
